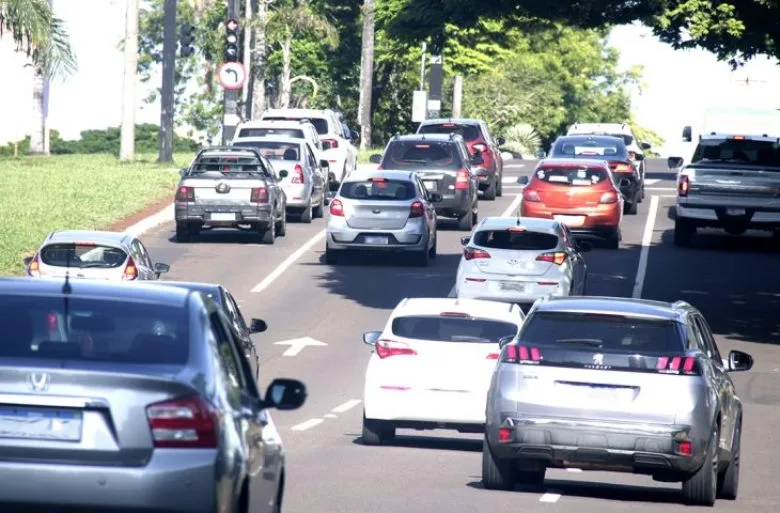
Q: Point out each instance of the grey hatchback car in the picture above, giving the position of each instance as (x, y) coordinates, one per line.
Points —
(616, 384)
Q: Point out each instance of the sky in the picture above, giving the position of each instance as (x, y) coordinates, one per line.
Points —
(678, 85)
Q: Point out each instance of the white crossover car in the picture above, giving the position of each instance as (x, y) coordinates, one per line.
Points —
(431, 365)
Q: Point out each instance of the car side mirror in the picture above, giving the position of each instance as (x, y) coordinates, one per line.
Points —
(686, 134)
(375, 159)
(540, 154)
(324, 164)
(370, 337)
(27, 261)
(739, 361)
(584, 246)
(477, 159)
(639, 157)
(283, 173)
(257, 326)
(674, 162)
(326, 145)
(522, 180)
(500, 140)
(434, 197)
(161, 268)
(182, 172)
(505, 340)
(464, 241)
(645, 145)
(285, 394)
(624, 182)
(354, 135)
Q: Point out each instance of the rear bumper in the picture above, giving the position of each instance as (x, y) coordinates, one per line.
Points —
(535, 287)
(454, 205)
(412, 237)
(204, 214)
(416, 407)
(716, 216)
(182, 482)
(604, 219)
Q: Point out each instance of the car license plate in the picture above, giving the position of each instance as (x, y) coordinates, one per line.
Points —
(430, 185)
(223, 217)
(512, 286)
(375, 239)
(570, 220)
(40, 424)
(735, 211)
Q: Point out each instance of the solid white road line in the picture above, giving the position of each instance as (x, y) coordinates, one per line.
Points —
(303, 426)
(550, 497)
(647, 239)
(289, 261)
(346, 406)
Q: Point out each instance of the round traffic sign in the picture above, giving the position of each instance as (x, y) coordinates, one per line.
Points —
(232, 75)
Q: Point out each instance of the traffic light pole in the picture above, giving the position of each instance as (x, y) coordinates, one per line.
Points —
(231, 117)
(168, 78)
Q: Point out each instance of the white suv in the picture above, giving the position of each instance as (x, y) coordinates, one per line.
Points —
(335, 136)
(296, 129)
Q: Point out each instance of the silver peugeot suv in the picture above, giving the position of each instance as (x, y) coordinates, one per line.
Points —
(615, 384)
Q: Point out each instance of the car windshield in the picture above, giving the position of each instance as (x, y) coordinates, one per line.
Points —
(420, 155)
(106, 330)
(82, 255)
(378, 189)
(738, 151)
(227, 165)
(572, 176)
(320, 124)
(295, 133)
(452, 329)
(468, 132)
(590, 147)
(603, 332)
(515, 240)
(274, 150)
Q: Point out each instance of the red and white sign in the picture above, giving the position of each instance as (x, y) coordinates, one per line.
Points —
(232, 75)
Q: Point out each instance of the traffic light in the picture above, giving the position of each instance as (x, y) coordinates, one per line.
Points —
(231, 41)
(186, 37)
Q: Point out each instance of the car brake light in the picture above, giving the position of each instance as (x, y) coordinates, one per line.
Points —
(492, 356)
(417, 209)
(187, 422)
(462, 179)
(185, 194)
(557, 258)
(531, 195)
(454, 314)
(678, 365)
(480, 147)
(298, 178)
(685, 448)
(333, 142)
(521, 354)
(259, 195)
(34, 269)
(473, 253)
(623, 168)
(336, 208)
(609, 197)
(683, 185)
(504, 434)
(386, 348)
(131, 271)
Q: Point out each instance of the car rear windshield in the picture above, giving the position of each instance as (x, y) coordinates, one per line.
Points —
(572, 176)
(421, 155)
(452, 329)
(263, 132)
(228, 165)
(82, 255)
(600, 332)
(105, 330)
(506, 239)
(595, 147)
(738, 151)
(320, 124)
(379, 189)
(274, 150)
(468, 132)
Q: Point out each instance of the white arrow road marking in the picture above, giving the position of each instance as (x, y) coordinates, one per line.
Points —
(346, 406)
(297, 345)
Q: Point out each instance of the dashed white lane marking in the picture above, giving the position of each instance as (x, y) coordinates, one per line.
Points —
(573, 470)
(550, 497)
(341, 408)
(647, 239)
(330, 416)
(289, 261)
(303, 426)
(513, 166)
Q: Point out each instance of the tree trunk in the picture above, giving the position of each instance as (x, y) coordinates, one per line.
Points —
(259, 54)
(127, 137)
(366, 75)
(38, 134)
(286, 85)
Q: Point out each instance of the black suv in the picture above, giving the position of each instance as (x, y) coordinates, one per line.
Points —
(443, 164)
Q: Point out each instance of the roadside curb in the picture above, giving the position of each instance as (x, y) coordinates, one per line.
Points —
(153, 221)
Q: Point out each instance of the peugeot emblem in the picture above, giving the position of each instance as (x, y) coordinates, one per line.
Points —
(376, 211)
(38, 381)
(222, 187)
(598, 359)
(513, 262)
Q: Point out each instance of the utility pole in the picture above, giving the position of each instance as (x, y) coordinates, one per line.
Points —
(246, 103)
(168, 79)
(230, 118)
(127, 137)
(366, 75)
(457, 96)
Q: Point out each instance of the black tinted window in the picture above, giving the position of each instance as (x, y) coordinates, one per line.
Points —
(572, 176)
(468, 132)
(228, 165)
(420, 155)
(93, 329)
(320, 124)
(262, 132)
(738, 151)
(452, 329)
(606, 333)
(273, 150)
(82, 255)
(608, 147)
(379, 189)
(506, 239)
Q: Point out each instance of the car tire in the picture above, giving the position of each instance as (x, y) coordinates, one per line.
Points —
(490, 192)
(728, 481)
(422, 258)
(306, 215)
(631, 207)
(281, 226)
(376, 432)
(268, 235)
(613, 242)
(319, 210)
(500, 186)
(183, 233)
(433, 252)
(701, 488)
(497, 474)
(466, 223)
(331, 256)
(683, 232)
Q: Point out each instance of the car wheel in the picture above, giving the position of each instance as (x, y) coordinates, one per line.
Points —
(331, 256)
(683, 232)
(496, 474)
(728, 483)
(183, 233)
(701, 488)
(268, 235)
(422, 258)
(306, 215)
(466, 223)
(631, 207)
(376, 432)
(613, 242)
(281, 225)
(434, 251)
(500, 186)
(319, 211)
(490, 192)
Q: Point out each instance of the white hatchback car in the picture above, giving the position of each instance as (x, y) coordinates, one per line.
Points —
(431, 365)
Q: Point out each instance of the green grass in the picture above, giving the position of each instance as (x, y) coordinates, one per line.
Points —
(363, 155)
(41, 194)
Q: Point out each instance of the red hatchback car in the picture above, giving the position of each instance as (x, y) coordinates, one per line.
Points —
(580, 193)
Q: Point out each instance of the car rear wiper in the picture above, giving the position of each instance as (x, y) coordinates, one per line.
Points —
(468, 338)
(590, 342)
(88, 265)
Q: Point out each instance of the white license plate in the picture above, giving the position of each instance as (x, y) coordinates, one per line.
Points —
(430, 185)
(223, 217)
(571, 220)
(40, 425)
(735, 211)
(512, 286)
(375, 240)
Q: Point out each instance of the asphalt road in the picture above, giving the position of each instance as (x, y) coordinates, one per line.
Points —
(734, 281)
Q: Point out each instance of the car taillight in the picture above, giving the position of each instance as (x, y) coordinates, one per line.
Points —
(387, 348)
(417, 209)
(187, 423)
(298, 178)
(34, 269)
(336, 208)
(473, 253)
(623, 168)
(492, 356)
(685, 448)
(462, 179)
(504, 434)
(480, 147)
(678, 365)
(259, 195)
(186, 194)
(683, 185)
(531, 195)
(131, 271)
(609, 197)
(333, 142)
(520, 354)
(557, 258)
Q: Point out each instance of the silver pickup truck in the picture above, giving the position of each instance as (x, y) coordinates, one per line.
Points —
(731, 183)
